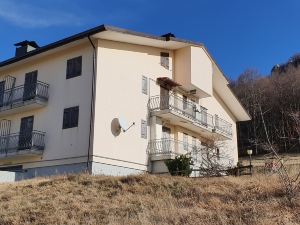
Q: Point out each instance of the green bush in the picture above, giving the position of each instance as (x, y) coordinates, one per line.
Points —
(180, 166)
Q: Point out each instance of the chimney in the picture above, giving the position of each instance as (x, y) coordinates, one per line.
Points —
(24, 47)
(168, 36)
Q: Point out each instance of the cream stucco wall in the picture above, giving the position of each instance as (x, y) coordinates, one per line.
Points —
(193, 70)
(62, 145)
(119, 72)
(216, 106)
(120, 68)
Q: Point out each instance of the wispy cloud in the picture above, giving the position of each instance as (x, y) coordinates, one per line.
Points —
(28, 15)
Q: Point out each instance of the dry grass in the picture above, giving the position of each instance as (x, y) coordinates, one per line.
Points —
(146, 199)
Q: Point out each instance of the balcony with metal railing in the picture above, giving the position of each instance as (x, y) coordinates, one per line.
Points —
(167, 148)
(22, 144)
(205, 159)
(189, 115)
(223, 127)
(23, 98)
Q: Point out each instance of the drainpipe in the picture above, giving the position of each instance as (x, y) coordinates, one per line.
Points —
(92, 116)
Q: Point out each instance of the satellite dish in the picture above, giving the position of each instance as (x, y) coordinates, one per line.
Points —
(115, 127)
(123, 124)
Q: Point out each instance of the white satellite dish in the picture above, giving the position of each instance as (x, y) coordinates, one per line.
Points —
(123, 124)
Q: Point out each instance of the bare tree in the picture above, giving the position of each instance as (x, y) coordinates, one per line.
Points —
(290, 183)
(212, 160)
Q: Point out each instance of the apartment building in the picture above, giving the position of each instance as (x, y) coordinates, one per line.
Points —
(112, 101)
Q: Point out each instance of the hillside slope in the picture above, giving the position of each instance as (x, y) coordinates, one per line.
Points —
(146, 199)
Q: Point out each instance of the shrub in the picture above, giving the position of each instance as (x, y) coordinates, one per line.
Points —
(180, 166)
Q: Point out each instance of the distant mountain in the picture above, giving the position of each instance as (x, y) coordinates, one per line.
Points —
(290, 67)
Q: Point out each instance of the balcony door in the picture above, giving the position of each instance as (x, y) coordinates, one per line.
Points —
(30, 85)
(25, 137)
(164, 98)
(166, 142)
(2, 89)
(195, 151)
(204, 116)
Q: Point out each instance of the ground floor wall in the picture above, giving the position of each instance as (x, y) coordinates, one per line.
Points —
(95, 168)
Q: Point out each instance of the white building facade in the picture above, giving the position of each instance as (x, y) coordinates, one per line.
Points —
(112, 101)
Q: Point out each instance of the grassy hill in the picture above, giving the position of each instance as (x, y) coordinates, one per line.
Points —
(146, 199)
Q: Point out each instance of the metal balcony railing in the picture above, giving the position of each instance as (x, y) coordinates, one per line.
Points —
(170, 146)
(21, 142)
(222, 126)
(185, 108)
(202, 156)
(16, 96)
(190, 110)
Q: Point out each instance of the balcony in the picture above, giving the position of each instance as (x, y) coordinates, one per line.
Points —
(223, 127)
(23, 98)
(189, 115)
(205, 159)
(22, 144)
(161, 149)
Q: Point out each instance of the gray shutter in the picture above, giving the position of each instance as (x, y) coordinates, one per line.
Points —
(144, 129)
(145, 85)
(164, 59)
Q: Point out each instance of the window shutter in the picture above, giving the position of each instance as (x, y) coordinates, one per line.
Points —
(145, 85)
(66, 118)
(74, 67)
(164, 59)
(74, 116)
(70, 118)
(144, 129)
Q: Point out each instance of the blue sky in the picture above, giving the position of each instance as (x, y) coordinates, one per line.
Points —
(239, 34)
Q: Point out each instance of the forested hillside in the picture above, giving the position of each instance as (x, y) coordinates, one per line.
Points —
(274, 99)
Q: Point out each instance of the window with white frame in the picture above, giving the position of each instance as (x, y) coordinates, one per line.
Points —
(185, 142)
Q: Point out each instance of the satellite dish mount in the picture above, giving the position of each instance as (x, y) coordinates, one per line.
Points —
(123, 125)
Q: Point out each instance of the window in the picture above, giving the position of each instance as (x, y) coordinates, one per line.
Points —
(164, 59)
(194, 142)
(144, 85)
(218, 153)
(185, 102)
(74, 67)
(185, 142)
(144, 129)
(217, 121)
(12, 168)
(204, 116)
(195, 149)
(71, 117)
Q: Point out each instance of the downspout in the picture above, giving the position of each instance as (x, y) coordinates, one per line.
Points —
(92, 115)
